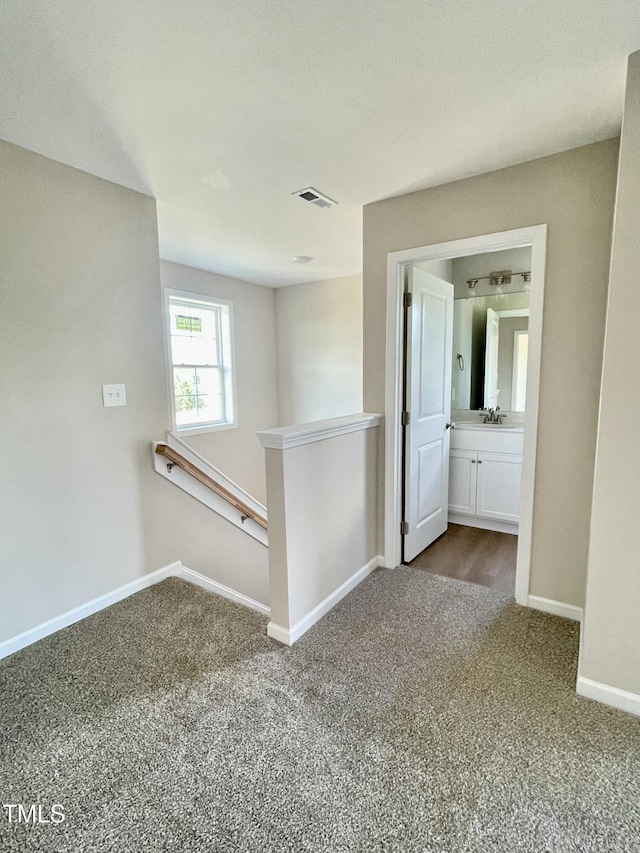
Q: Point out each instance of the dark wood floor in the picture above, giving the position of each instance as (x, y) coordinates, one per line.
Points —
(471, 554)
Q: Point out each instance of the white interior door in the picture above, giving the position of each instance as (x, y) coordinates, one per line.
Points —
(428, 402)
(491, 360)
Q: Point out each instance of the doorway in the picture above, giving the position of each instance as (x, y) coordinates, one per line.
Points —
(398, 265)
(465, 367)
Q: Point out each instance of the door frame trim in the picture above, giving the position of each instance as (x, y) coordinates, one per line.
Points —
(534, 236)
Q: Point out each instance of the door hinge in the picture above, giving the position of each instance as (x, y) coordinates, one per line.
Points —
(406, 418)
(404, 528)
(407, 300)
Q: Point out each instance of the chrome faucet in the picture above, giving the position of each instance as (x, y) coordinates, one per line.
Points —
(492, 416)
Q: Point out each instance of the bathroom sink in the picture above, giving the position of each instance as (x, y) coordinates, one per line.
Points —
(479, 424)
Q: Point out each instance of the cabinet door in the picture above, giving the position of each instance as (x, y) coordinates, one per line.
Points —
(462, 481)
(498, 488)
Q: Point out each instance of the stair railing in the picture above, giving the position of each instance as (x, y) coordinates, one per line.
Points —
(175, 458)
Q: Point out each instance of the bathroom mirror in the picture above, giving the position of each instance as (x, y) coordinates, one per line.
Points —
(490, 349)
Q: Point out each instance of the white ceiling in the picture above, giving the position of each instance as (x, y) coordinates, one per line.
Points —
(222, 108)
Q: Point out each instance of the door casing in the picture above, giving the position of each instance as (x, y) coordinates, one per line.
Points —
(534, 236)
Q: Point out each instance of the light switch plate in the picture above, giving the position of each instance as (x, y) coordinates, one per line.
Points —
(114, 395)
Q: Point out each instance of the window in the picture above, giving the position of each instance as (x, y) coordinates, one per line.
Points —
(201, 369)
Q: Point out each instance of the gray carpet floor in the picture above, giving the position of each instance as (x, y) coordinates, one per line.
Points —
(422, 714)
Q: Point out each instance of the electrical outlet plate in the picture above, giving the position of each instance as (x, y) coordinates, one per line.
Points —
(114, 395)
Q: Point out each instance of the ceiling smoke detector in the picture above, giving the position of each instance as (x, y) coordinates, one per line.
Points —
(315, 197)
(303, 259)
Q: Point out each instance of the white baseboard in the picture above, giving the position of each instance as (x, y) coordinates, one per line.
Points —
(557, 608)
(288, 636)
(277, 632)
(605, 693)
(213, 586)
(172, 570)
(484, 523)
(53, 625)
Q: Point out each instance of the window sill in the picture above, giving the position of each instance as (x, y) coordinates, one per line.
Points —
(197, 430)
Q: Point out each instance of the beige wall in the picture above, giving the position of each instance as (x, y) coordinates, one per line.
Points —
(611, 644)
(462, 345)
(322, 519)
(183, 529)
(319, 339)
(573, 193)
(237, 452)
(80, 289)
(441, 269)
(82, 512)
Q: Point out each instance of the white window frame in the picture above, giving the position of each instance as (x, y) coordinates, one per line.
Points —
(228, 360)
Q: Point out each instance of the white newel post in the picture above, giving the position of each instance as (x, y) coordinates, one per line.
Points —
(322, 493)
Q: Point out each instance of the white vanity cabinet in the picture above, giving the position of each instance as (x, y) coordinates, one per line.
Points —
(463, 481)
(485, 467)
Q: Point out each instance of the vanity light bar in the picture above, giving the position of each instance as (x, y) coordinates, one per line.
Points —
(503, 277)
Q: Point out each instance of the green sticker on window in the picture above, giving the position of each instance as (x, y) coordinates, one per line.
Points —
(188, 324)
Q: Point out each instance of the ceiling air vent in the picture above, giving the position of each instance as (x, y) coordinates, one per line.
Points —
(314, 197)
